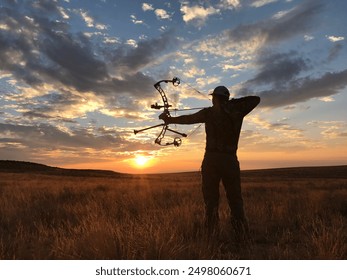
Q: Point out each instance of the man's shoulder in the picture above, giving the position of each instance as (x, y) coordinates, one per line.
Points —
(234, 104)
(206, 109)
(204, 114)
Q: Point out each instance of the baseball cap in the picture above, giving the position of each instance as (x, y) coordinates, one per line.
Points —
(221, 90)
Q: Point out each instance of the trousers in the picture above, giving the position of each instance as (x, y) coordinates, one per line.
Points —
(217, 167)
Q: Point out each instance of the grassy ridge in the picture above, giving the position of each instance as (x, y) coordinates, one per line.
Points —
(160, 217)
(12, 166)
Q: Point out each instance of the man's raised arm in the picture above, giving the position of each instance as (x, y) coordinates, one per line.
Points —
(246, 104)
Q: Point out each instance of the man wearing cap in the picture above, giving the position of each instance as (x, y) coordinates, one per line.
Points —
(223, 123)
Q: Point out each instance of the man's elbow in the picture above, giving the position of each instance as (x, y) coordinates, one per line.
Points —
(257, 100)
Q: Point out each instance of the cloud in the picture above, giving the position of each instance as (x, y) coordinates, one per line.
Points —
(261, 3)
(147, 7)
(280, 79)
(90, 21)
(131, 42)
(282, 126)
(42, 6)
(59, 77)
(281, 14)
(162, 14)
(331, 129)
(298, 20)
(335, 38)
(303, 89)
(135, 20)
(278, 68)
(63, 13)
(132, 60)
(194, 71)
(50, 137)
(334, 51)
(308, 37)
(327, 99)
(59, 106)
(197, 14)
(41, 52)
(49, 143)
(242, 44)
(75, 61)
(230, 3)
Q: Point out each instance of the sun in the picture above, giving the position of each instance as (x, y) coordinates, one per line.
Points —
(141, 160)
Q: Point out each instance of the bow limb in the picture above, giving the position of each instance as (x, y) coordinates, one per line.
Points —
(177, 141)
(166, 105)
(161, 135)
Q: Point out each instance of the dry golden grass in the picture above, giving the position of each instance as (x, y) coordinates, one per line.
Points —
(161, 217)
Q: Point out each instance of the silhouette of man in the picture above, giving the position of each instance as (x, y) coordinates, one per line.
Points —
(223, 123)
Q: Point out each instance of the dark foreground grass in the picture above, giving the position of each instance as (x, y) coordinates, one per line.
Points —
(161, 217)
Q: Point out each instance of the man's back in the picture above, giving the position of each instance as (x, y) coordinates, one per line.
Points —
(223, 125)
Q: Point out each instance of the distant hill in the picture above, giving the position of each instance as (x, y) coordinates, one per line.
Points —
(300, 172)
(12, 166)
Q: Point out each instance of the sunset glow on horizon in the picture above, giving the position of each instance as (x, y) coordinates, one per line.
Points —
(76, 80)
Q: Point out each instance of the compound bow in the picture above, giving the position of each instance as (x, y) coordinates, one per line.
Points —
(177, 141)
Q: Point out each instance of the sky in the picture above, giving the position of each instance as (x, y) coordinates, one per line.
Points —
(76, 78)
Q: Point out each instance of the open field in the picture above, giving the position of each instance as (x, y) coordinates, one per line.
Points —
(298, 213)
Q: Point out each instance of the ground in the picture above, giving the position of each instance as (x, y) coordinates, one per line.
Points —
(49, 213)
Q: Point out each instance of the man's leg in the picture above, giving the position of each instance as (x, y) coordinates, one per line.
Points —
(210, 190)
(232, 183)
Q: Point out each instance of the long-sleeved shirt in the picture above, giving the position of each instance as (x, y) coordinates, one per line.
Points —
(222, 125)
